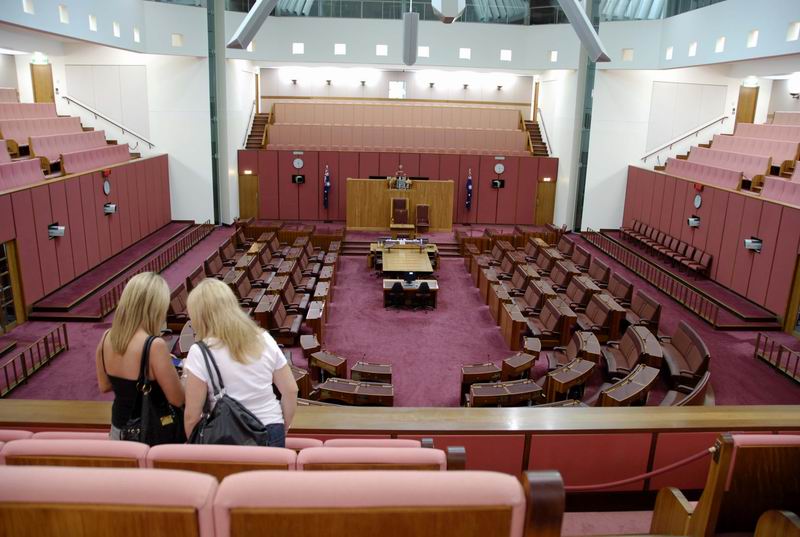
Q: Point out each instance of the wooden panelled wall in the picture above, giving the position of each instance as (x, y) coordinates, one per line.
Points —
(727, 218)
(140, 189)
(279, 199)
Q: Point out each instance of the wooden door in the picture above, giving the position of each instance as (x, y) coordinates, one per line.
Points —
(42, 77)
(545, 203)
(746, 108)
(248, 196)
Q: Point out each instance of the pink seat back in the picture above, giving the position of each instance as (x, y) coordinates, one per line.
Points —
(20, 173)
(8, 95)
(20, 130)
(373, 442)
(74, 453)
(779, 150)
(92, 159)
(70, 435)
(295, 443)
(51, 147)
(70, 499)
(711, 175)
(27, 110)
(7, 435)
(786, 118)
(277, 494)
(749, 165)
(220, 460)
(368, 458)
(790, 133)
(4, 155)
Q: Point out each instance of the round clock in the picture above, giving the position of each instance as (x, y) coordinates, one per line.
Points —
(297, 163)
(499, 168)
(698, 201)
(106, 187)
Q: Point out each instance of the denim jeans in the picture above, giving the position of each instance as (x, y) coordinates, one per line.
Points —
(276, 435)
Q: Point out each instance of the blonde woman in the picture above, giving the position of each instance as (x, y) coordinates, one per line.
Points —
(141, 313)
(249, 361)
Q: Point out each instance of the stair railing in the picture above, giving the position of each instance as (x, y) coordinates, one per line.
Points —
(545, 137)
(526, 131)
(250, 121)
(99, 115)
(657, 152)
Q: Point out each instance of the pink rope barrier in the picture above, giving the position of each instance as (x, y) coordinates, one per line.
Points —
(640, 477)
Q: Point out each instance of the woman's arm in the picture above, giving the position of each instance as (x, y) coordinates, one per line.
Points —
(284, 380)
(164, 372)
(103, 382)
(196, 393)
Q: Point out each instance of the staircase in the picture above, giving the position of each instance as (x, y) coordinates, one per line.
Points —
(256, 136)
(539, 147)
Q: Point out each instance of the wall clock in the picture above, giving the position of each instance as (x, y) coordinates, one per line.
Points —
(107, 187)
(698, 201)
(297, 163)
(499, 168)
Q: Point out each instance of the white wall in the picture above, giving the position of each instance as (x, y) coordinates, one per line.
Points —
(676, 107)
(8, 71)
(781, 101)
(620, 122)
(241, 92)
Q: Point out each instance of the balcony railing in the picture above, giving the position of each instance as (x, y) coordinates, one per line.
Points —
(19, 368)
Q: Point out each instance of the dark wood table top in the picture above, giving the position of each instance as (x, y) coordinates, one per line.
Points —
(572, 373)
(520, 359)
(532, 345)
(358, 387)
(328, 358)
(479, 369)
(498, 389)
(372, 368)
(278, 284)
(637, 382)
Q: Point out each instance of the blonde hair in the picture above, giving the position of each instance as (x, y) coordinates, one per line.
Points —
(216, 313)
(143, 304)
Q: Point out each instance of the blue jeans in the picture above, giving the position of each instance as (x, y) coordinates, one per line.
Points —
(276, 435)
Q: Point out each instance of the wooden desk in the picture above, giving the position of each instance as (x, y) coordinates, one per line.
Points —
(278, 286)
(370, 372)
(653, 353)
(486, 278)
(351, 392)
(403, 260)
(316, 318)
(411, 289)
(519, 366)
(327, 274)
(322, 291)
(369, 203)
(551, 255)
(324, 363)
(560, 381)
(497, 297)
(263, 311)
(286, 267)
(408, 230)
(470, 374)
(512, 324)
(244, 261)
(589, 346)
(633, 389)
(524, 392)
(506, 245)
(303, 380)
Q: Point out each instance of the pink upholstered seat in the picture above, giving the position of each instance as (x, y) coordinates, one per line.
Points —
(92, 159)
(20, 173)
(20, 130)
(779, 150)
(254, 457)
(70, 435)
(373, 442)
(8, 95)
(273, 493)
(4, 155)
(7, 435)
(786, 118)
(27, 110)
(371, 457)
(295, 443)
(749, 165)
(711, 175)
(85, 490)
(790, 133)
(51, 147)
(79, 452)
(780, 189)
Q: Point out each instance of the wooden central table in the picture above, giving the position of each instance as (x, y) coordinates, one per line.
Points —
(410, 289)
(560, 381)
(407, 260)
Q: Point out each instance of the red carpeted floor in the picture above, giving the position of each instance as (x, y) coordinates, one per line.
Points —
(426, 348)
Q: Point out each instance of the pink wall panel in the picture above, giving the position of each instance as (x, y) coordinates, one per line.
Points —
(43, 217)
(166, 198)
(331, 159)
(309, 194)
(494, 453)
(154, 186)
(704, 212)
(672, 447)
(507, 197)
(716, 227)
(348, 166)
(268, 205)
(688, 234)
(60, 213)
(141, 192)
(588, 459)
(132, 206)
(89, 220)
(287, 192)
(103, 224)
(665, 221)
(410, 162)
(27, 247)
(248, 160)
(749, 219)
(677, 222)
(429, 166)
(119, 184)
(78, 235)
(783, 266)
(730, 240)
(768, 228)
(645, 197)
(630, 186)
(634, 190)
(658, 208)
(485, 197)
(526, 190)
(7, 232)
(368, 164)
(115, 220)
(387, 164)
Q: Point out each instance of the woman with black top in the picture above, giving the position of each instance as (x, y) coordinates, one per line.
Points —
(141, 313)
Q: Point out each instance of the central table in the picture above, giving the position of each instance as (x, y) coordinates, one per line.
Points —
(410, 289)
(407, 260)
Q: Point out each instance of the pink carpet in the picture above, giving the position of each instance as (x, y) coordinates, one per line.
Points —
(606, 523)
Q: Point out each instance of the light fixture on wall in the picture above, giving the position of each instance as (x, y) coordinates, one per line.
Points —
(109, 208)
(499, 88)
(247, 172)
(694, 221)
(466, 86)
(294, 82)
(754, 244)
(328, 82)
(750, 82)
(431, 84)
(54, 230)
(363, 83)
(793, 85)
(546, 179)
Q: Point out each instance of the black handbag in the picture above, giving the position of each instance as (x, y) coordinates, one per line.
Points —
(158, 422)
(228, 421)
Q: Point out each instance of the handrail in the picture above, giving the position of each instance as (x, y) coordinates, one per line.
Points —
(249, 123)
(124, 129)
(668, 145)
(545, 137)
(778, 356)
(527, 132)
(20, 367)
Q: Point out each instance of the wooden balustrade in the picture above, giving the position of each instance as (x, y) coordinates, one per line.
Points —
(21, 366)
(778, 356)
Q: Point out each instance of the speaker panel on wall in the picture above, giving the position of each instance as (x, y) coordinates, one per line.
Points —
(298, 179)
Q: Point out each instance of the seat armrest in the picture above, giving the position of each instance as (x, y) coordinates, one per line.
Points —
(577, 308)
(546, 500)
(504, 277)
(672, 513)
(229, 263)
(624, 304)
(614, 344)
(664, 339)
(560, 348)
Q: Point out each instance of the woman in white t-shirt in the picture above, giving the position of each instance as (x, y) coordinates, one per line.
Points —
(249, 361)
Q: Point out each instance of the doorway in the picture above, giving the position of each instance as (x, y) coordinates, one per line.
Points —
(42, 78)
(746, 107)
(12, 311)
(545, 203)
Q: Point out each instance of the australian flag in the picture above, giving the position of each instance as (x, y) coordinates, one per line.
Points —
(468, 202)
(326, 187)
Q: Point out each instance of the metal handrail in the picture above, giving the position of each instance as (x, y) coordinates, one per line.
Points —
(696, 131)
(124, 129)
(545, 137)
(249, 123)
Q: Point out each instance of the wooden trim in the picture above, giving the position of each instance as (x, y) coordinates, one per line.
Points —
(386, 99)
(66, 460)
(368, 466)
(793, 307)
(16, 282)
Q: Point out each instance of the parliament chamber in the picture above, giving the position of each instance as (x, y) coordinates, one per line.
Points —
(535, 271)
